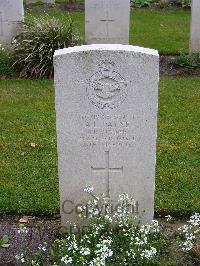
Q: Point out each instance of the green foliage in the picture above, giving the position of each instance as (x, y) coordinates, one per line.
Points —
(4, 242)
(141, 3)
(6, 62)
(188, 61)
(35, 47)
(186, 3)
(113, 237)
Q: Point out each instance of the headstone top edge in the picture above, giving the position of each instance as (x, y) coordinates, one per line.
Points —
(106, 47)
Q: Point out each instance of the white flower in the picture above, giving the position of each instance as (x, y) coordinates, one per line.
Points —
(148, 254)
(187, 245)
(20, 257)
(89, 189)
(85, 251)
(107, 217)
(42, 248)
(14, 41)
(195, 219)
(66, 259)
(168, 217)
(22, 230)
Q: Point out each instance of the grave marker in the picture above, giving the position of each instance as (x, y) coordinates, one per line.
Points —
(106, 105)
(107, 21)
(195, 27)
(11, 19)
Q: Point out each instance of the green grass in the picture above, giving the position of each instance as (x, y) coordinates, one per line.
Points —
(178, 155)
(29, 182)
(28, 175)
(166, 31)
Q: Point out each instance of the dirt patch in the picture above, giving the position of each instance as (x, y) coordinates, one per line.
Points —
(168, 69)
(40, 230)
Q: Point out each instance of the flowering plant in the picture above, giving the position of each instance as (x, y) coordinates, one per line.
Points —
(113, 238)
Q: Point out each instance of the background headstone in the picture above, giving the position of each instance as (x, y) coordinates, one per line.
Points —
(107, 21)
(106, 105)
(11, 19)
(195, 27)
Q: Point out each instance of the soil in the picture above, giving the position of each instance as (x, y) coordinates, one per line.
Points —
(40, 230)
(167, 69)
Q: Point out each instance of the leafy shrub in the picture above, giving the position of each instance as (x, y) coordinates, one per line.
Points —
(34, 48)
(188, 61)
(186, 3)
(141, 3)
(6, 62)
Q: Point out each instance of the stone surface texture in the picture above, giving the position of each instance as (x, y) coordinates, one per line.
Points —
(195, 27)
(107, 21)
(106, 115)
(11, 19)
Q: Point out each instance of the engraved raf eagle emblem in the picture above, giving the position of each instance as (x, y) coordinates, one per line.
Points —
(107, 88)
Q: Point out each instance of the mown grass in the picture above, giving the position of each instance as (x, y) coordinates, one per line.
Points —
(29, 180)
(166, 31)
(178, 155)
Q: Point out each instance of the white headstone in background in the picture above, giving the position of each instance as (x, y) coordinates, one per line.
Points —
(11, 19)
(195, 27)
(106, 105)
(107, 21)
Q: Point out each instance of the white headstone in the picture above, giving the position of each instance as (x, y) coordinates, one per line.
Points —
(195, 27)
(107, 21)
(106, 105)
(11, 19)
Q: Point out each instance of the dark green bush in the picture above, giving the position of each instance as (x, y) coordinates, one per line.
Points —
(6, 62)
(35, 47)
(141, 3)
(186, 3)
(188, 61)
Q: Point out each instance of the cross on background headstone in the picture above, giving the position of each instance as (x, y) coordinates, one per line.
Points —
(107, 21)
(107, 169)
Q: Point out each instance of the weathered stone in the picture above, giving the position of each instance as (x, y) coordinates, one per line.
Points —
(107, 21)
(11, 19)
(106, 105)
(195, 27)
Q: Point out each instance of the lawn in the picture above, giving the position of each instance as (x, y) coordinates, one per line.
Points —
(29, 182)
(166, 31)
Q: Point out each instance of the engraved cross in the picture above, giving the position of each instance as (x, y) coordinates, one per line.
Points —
(107, 170)
(107, 21)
